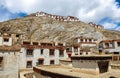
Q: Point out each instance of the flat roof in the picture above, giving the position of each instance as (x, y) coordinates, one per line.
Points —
(77, 72)
(68, 71)
(14, 48)
(91, 57)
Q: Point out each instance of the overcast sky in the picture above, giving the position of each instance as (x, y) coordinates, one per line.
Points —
(104, 12)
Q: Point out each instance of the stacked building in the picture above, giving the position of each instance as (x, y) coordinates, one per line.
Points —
(41, 53)
(9, 56)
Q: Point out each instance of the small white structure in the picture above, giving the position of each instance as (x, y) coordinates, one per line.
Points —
(44, 53)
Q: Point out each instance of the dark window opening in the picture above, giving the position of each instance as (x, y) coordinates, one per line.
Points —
(80, 53)
(1, 60)
(81, 40)
(60, 44)
(35, 43)
(67, 49)
(17, 35)
(6, 39)
(90, 40)
(116, 52)
(118, 43)
(41, 51)
(61, 52)
(46, 44)
(75, 49)
(29, 52)
(51, 61)
(29, 64)
(86, 53)
(115, 58)
(69, 55)
(41, 61)
(51, 52)
(49, 44)
(106, 45)
(26, 43)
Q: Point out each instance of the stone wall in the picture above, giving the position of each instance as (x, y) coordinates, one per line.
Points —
(10, 65)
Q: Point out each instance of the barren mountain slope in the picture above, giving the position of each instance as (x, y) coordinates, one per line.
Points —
(48, 29)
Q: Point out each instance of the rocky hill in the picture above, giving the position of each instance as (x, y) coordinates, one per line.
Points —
(43, 28)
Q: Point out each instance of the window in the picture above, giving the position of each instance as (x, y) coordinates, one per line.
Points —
(1, 60)
(43, 44)
(41, 61)
(118, 44)
(17, 35)
(85, 40)
(106, 45)
(6, 39)
(35, 43)
(51, 52)
(26, 43)
(61, 52)
(49, 44)
(115, 58)
(29, 64)
(90, 40)
(41, 52)
(81, 40)
(29, 52)
(46, 44)
(75, 49)
(86, 53)
(51, 61)
(60, 44)
(80, 53)
(67, 49)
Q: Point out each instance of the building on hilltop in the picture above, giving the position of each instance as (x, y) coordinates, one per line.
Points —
(57, 17)
(96, 26)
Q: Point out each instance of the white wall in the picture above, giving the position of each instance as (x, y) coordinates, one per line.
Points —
(9, 43)
(10, 65)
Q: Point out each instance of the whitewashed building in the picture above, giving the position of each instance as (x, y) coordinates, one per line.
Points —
(110, 46)
(44, 53)
(9, 56)
(82, 45)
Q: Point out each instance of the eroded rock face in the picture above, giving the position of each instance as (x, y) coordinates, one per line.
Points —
(45, 28)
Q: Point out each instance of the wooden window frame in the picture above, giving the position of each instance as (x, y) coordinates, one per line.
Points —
(27, 64)
(52, 61)
(29, 52)
(51, 52)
